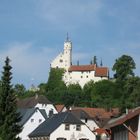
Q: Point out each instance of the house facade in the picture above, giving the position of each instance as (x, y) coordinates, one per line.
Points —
(31, 119)
(80, 74)
(62, 126)
(127, 126)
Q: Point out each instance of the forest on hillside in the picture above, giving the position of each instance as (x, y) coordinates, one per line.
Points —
(122, 91)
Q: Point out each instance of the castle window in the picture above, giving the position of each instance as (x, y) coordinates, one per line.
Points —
(81, 76)
(61, 60)
(87, 76)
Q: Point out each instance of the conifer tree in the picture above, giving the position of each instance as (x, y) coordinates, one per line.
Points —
(9, 118)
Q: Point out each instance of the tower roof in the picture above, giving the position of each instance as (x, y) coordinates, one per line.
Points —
(67, 38)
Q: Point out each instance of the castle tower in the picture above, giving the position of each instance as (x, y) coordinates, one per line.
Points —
(67, 52)
(64, 60)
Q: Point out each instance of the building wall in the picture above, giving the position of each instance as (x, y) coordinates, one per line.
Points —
(81, 77)
(72, 133)
(90, 124)
(63, 60)
(34, 121)
(138, 133)
(133, 125)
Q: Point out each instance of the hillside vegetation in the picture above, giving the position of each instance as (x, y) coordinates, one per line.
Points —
(122, 91)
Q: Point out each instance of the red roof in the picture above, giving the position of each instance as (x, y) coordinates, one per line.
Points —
(82, 68)
(59, 108)
(125, 118)
(101, 71)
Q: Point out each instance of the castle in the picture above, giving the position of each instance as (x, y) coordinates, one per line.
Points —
(80, 74)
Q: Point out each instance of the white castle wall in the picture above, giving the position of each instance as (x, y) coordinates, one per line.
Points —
(63, 60)
(80, 77)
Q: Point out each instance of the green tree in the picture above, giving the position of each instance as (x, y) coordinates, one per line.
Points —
(42, 88)
(19, 89)
(132, 92)
(55, 79)
(9, 118)
(123, 67)
(73, 96)
(87, 90)
(104, 94)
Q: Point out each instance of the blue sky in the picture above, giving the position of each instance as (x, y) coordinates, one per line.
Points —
(32, 33)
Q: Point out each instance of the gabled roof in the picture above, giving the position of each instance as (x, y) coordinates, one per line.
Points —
(125, 117)
(31, 102)
(59, 108)
(27, 113)
(47, 127)
(101, 72)
(100, 115)
(82, 68)
(80, 114)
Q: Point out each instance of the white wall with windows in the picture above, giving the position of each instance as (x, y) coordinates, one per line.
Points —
(82, 78)
(72, 132)
(47, 108)
(32, 123)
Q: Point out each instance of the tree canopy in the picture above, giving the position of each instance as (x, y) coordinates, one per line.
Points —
(9, 117)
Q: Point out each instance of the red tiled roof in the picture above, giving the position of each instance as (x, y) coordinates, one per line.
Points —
(82, 68)
(126, 117)
(101, 115)
(101, 71)
(59, 108)
(99, 112)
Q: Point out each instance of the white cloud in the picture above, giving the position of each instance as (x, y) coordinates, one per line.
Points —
(28, 63)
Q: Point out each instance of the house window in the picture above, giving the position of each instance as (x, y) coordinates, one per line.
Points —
(61, 139)
(32, 120)
(67, 127)
(78, 127)
(40, 120)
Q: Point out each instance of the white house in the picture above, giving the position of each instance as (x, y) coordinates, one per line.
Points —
(62, 126)
(31, 119)
(80, 74)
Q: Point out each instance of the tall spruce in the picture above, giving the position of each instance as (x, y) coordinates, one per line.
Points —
(9, 118)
